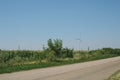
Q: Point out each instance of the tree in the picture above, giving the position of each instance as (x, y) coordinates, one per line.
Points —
(55, 46)
(50, 44)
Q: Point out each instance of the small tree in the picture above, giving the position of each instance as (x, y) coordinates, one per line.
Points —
(55, 50)
(50, 44)
(55, 46)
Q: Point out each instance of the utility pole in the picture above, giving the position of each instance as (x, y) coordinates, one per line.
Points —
(79, 41)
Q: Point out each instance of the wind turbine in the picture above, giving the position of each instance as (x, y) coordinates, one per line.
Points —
(79, 42)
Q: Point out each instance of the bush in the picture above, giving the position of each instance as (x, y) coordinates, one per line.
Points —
(51, 56)
(67, 53)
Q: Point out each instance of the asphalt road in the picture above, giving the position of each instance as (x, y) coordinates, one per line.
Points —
(93, 70)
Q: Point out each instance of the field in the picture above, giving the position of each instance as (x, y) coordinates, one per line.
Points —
(54, 55)
(17, 60)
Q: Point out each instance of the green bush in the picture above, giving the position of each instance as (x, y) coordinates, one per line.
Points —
(51, 56)
(67, 53)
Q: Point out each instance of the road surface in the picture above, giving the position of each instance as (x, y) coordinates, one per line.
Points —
(93, 70)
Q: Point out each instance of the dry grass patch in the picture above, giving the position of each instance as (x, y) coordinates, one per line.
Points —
(115, 76)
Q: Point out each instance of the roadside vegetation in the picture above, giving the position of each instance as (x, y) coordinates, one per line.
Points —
(115, 76)
(53, 55)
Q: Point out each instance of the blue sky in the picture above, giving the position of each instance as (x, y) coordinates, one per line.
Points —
(30, 23)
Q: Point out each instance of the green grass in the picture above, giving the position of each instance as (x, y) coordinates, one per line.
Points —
(115, 76)
(14, 68)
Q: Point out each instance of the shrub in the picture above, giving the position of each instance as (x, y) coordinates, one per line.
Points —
(51, 56)
(67, 53)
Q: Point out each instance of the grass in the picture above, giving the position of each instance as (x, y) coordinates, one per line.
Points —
(115, 76)
(14, 68)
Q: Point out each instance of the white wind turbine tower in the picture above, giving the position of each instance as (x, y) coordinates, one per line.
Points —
(79, 42)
